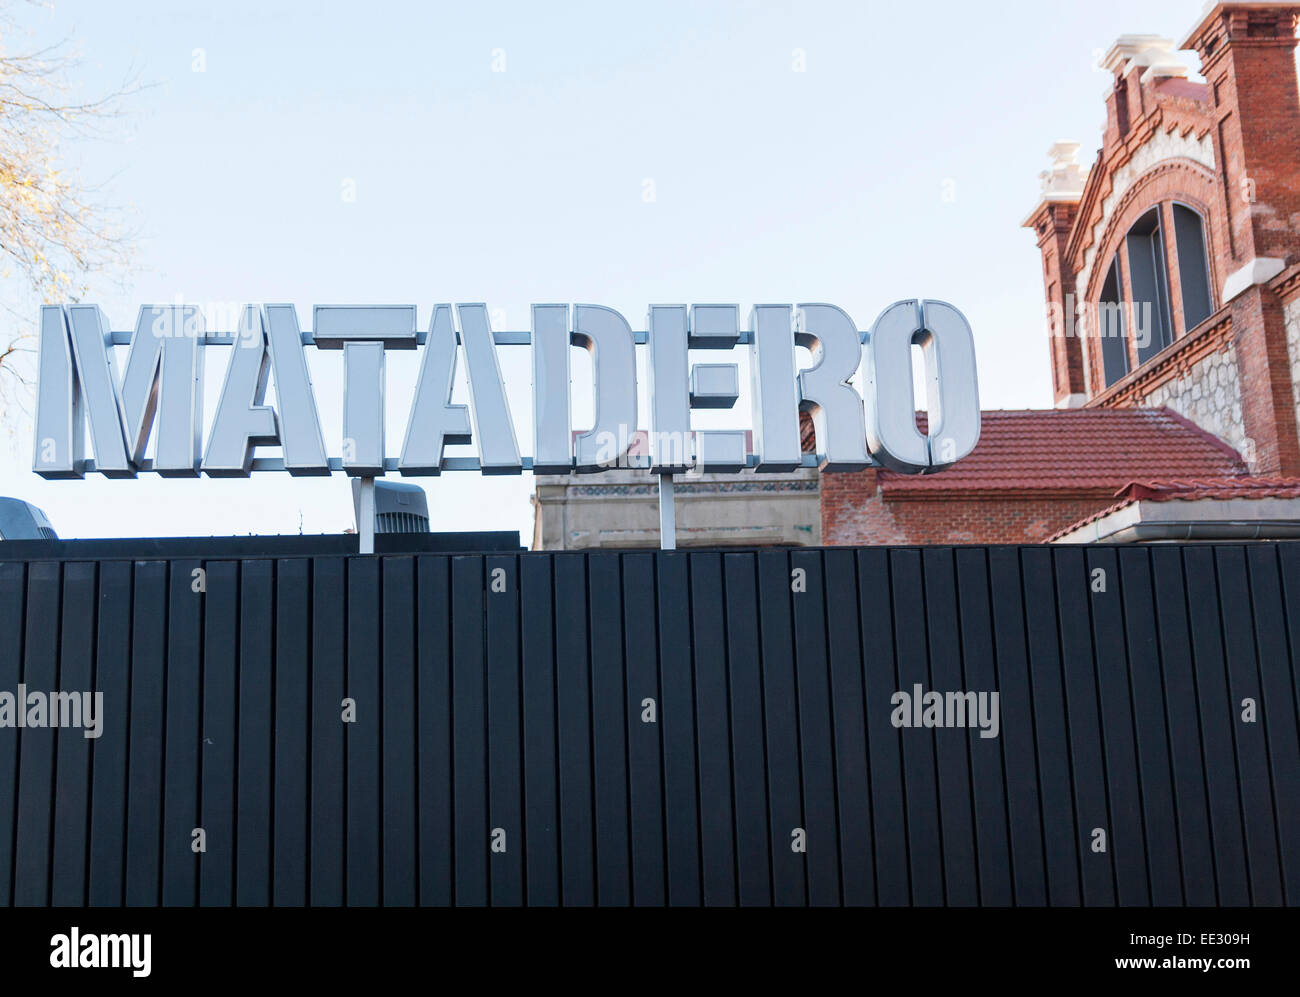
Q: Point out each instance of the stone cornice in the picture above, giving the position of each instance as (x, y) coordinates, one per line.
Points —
(1059, 210)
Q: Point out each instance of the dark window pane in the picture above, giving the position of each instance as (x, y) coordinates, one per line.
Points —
(1110, 326)
(1193, 275)
(1149, 285)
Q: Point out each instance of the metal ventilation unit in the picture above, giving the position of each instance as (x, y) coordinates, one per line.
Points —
(399, 507)
(21, 520)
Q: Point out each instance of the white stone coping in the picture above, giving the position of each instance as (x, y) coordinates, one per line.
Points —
(1260, 270)
(1145, 511)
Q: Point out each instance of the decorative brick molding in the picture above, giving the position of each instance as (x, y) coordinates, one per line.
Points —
(1116, 179)
(1286, 285)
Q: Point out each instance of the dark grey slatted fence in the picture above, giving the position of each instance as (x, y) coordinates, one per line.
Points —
(650, 728)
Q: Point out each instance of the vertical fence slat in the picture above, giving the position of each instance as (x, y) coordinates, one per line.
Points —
(505, 805)
(609, 729)
(541, 801)
(884, 740)
(1253, 768)
(72, 764)
(328, 760)
(1063, 839)
(253, 779)
(713, 731)
(399, 693)
(1092, 806)
(13, 595)
(645, 786)
(925, 847)
(979, 676)
(573, 705)
(291, 816)
(220, 677)
(1017, 738)
(184, 733)
(433, 678)
(363, 736)
(817, 750)
(108, 756)
(852, 797)
(469, 737)
(745, 680)
(1211, 868)
(677, 717)
(145, 765)
(1127, 837)
(36, 743)
(784, 779)
(1289, 556)
(961, 870)
(1217, 717)
(1277, 708)
(1146, 683)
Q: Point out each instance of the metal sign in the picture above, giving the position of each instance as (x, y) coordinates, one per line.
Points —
(159, 392)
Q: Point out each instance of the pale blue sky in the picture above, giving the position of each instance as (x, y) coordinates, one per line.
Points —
(528, 185)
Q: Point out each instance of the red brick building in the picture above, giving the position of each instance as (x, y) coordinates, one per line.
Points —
(1171, 268)
(1033, 473)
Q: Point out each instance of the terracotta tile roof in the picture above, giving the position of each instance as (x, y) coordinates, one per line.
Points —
(1097, 450)
(1219, 489)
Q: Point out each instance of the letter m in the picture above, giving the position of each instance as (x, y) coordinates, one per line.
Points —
(115, 951)
(77, 384)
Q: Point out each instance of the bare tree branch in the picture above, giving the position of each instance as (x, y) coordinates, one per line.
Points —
(55, 232)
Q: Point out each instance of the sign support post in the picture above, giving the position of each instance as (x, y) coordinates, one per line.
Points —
(366, 516)
(667, 514)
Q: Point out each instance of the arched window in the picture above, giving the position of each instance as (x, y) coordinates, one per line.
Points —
(1193, 266)
(1135, 302)
(1110, 327)
(1149, 286)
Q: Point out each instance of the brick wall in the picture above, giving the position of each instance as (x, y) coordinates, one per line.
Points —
(1248, 59)
(855, 512)
(1053, 223)
(1267, 401)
